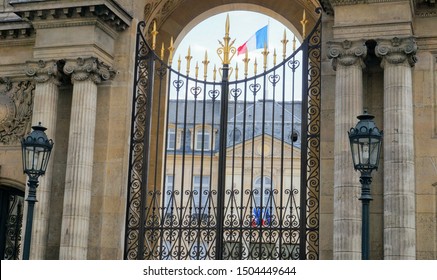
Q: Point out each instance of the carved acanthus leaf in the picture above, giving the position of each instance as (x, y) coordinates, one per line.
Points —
(397, 50)
(82, 69)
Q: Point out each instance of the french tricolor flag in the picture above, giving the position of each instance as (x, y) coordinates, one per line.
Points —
(257, 41)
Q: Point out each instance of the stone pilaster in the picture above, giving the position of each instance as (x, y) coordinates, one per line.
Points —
(398, 56)
(347, 59)
(86, 74)
(45, 103)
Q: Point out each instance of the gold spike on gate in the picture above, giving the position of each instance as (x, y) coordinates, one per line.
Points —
(255, 66)
(205, 65)
(171, 50)
(284, 42)
(188, 58)
(304, 22)
(294, 43)
(265, 53)
(154, 33)
(274, 57)
(162, 51)
(246, 63)
(227, 51)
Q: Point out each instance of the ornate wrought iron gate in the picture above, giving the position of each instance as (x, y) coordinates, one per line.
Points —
(225, 169)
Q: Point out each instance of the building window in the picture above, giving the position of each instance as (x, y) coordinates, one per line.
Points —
(262, 190)
(202, 140)
(263, 200)
(168, 195)
(200, 196)
(171, 139)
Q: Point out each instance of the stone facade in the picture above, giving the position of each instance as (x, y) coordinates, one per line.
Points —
(69, 64)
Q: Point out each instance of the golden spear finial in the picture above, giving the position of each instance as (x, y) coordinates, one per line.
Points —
(236, 71)
(188, 58)
(162, 51)
(214, 76)
(197, 69)
(179, 64)
(294, 43)
(284, 42)
(304, 22)
(255, 66)
(227, 51)
(265, 53)
(154, 33)
(246, 63)
(205, 65)
(274, 57)
(171, 51)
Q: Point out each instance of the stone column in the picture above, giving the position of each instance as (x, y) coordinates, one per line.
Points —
(86, 74)
(347, 58)
(45, 104)
(399, 178)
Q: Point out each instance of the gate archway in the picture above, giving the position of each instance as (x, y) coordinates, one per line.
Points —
(225, 169)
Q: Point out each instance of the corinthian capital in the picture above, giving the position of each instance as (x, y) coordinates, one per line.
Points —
(347, 53)
(43, 71)
(397, 50)
(82, 69)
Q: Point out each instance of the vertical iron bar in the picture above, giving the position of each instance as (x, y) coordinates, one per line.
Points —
(31, 199)
(243, 155)
(365, 198)
(304, 152)
(184, 133)
(221, 185)
(164, 173)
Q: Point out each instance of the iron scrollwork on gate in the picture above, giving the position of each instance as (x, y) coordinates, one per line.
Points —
(226, 169)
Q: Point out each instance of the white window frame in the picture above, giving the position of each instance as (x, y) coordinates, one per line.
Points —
(200, 194)
(168, 186)
(267, 198)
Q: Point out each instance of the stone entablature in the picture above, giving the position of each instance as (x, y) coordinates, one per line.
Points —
(422, 8)
(108, 11)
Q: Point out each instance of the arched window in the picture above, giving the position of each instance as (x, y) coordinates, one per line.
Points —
(262, 192)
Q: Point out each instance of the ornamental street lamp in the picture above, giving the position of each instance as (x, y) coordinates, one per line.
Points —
(36, 149)
(365, 140)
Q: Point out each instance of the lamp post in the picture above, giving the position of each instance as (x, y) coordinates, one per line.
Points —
(36, 149)
(365, 140)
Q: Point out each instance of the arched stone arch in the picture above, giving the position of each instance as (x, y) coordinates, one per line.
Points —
(174, 19)
(14, 184)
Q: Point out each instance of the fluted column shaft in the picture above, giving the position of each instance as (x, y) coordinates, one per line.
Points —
(85, 75)
(45, 104)
(399, 177)
(348, 62)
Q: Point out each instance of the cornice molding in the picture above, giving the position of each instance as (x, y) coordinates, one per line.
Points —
(421, 8)
(15, 29)
(108, 11)
(347, 53)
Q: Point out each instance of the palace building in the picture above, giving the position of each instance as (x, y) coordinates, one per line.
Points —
(151, 161)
